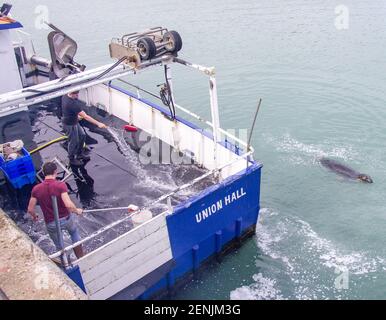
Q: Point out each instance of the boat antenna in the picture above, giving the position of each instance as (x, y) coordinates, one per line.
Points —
(253, 125)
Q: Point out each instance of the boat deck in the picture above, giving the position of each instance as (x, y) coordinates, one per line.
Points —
(114, 177)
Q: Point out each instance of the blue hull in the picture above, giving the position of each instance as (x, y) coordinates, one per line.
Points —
(198, 234)
(201, 228)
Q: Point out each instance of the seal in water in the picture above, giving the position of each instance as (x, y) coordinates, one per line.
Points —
(345, 171)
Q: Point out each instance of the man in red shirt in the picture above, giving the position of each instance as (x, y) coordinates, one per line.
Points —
(41, 195)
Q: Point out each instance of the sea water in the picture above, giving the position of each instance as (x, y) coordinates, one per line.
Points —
(322, 82)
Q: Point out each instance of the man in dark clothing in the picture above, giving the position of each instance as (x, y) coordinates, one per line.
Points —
(72, 110)
(41, 195)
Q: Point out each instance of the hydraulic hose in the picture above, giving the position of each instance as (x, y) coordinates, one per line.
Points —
(48, 144)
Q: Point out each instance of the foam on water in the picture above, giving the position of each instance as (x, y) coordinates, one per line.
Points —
(263, 289)
(311, 268)
(298, 152)
(323, 93)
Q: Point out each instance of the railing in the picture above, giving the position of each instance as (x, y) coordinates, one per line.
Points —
(247, 156)
(84, 80)
(193, 115)
(160, 199)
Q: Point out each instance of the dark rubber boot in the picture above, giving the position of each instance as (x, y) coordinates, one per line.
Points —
(84, 156)
(86, 151)
(75, 162)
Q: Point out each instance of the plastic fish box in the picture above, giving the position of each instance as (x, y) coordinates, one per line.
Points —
(20, 171)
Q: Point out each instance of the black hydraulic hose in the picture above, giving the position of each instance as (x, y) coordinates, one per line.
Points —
(161, 97)
(173, 107)
(33, 90)
(170, 97)
(166, 96)
(8, 123)
(41, 93)
(116, 64)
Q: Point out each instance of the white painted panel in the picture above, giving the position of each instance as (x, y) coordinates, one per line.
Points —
(138, 273)
(119, 263)
(131, 256)
(122, 242)
(127, 269)
(152, 121)
(99, 269)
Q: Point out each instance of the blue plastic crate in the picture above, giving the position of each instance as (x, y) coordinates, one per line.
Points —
(20, 171)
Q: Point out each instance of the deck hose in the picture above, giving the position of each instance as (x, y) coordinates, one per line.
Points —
(48, 144)
(129, 208)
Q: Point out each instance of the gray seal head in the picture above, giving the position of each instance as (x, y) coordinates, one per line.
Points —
(365, 178)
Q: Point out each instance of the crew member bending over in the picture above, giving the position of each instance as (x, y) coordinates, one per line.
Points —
(41, 195)
(72, 112)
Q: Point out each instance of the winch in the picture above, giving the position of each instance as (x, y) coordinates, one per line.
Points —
(146, 45)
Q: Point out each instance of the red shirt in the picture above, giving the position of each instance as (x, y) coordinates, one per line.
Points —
(43, 192)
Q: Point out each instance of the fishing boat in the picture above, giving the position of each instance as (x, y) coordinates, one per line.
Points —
(166, 249)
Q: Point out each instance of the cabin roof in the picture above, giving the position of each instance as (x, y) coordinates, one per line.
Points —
(8, 23)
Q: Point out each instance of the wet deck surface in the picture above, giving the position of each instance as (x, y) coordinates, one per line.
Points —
(113, 177)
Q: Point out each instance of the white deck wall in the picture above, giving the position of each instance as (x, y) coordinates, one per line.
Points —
(175, 133)
(126, 259)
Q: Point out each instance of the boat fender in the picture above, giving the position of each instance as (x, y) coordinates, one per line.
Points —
(129, 128)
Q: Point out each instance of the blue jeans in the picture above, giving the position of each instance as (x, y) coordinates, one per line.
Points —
(67, 223)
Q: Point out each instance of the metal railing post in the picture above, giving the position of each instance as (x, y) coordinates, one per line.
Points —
(215, 115)
(63, 256)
